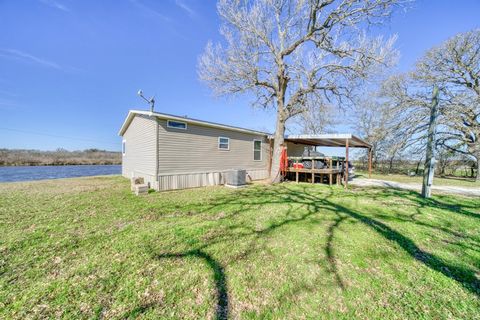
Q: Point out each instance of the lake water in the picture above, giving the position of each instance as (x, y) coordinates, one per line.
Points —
(25, 173)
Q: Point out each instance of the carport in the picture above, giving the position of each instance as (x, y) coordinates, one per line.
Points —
(345, 140)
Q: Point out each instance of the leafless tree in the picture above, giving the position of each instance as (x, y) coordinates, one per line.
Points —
(392, 120)
(444, 158)
(455, 67)
(318, 117)
(289, 52)
(371, 120)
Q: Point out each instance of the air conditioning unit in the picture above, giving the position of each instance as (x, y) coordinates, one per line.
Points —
(235, 178)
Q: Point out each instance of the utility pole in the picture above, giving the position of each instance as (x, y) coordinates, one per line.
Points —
(430, 157)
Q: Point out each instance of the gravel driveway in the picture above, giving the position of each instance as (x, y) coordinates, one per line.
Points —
(475, 192)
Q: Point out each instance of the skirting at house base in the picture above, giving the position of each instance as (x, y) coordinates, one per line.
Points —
(235, 187)
(201, 179)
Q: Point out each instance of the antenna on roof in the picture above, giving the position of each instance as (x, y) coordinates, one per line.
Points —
(150, 101)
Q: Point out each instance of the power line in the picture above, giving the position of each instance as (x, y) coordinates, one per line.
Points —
(58, 136)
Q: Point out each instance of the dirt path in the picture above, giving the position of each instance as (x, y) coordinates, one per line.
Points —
(475, 192)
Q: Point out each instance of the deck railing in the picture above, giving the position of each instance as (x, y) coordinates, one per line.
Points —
(331, 167)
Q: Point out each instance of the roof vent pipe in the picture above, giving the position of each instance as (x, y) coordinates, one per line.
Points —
(150, 101)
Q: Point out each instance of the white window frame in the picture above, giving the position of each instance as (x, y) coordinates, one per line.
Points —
(228, 143)
(124, 147)
(173, 127)
(261, 152)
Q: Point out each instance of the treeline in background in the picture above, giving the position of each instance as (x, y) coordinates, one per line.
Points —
(19, 157)
(445, 167)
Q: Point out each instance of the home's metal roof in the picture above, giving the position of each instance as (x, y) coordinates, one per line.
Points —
(329, 140)
(132, 113)
(325, 140)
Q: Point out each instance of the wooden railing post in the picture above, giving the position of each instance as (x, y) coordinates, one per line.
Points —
(346, 163)
(370, 163)
(313, 171)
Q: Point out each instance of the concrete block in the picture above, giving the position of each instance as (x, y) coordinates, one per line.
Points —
(135, 181)
(141, 189)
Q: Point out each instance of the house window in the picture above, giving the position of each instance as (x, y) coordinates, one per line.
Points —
(257, 150)
(123, 147)
(223, 143)
(177, 124)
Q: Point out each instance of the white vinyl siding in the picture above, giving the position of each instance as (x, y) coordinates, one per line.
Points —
(196, 150)
(139, 159)
(257, 150)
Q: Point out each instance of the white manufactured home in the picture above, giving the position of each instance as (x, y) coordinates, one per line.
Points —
(172, 152)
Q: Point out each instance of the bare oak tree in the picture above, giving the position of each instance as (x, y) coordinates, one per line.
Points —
(393, 120)
(372, 119)
(288, 52)
(455, 67)
(318, 117)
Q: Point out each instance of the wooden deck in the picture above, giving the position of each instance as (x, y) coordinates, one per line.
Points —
(329, 172)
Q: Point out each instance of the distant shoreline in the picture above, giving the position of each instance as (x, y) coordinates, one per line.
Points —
(59, 157)
(60, 164)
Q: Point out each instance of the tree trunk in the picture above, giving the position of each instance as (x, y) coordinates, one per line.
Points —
(430, 150)
(390, 165)
(417, 170)
(477, 179)
(275, 176)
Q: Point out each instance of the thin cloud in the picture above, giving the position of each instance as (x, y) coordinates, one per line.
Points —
(182, 5)
(7, 93)
(23, 56)
(150, 10)
(30, 58)
(55, 4)
(7, 104)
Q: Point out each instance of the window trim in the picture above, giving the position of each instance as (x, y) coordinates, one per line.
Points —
(124, 147)
(173, 127)
(228, 144)
(261, 152)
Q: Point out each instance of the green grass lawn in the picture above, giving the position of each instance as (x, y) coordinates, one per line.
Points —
(88, 248)
(438, 181)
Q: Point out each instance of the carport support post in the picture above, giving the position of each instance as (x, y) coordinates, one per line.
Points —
(369, 163)
(346, 164)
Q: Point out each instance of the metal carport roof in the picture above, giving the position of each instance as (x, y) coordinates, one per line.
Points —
(329, 140)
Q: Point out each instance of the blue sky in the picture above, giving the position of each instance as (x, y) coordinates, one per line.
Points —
(70, 70)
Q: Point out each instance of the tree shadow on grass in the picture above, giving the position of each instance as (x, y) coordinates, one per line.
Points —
(219, 277)
(468, 207)
(242, 202)
(457, 178)
(463, 276)
(329, 250)
(301, 203)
